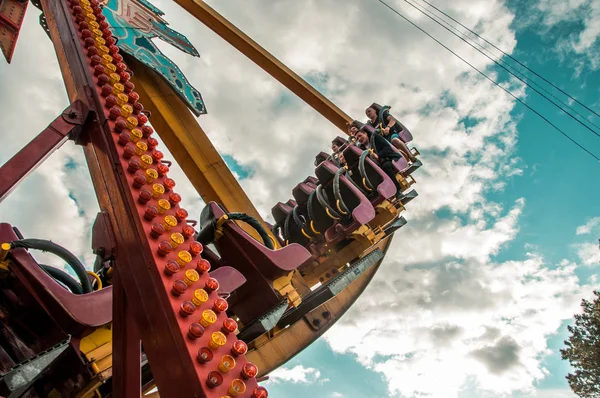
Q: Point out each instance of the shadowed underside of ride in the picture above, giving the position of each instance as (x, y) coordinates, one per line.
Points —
(197, 307)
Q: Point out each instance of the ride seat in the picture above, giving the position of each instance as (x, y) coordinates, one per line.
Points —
(360, 210)
(75, 314)
(382, 185)
(260, 265)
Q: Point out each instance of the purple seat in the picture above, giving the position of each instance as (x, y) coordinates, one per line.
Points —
(75, 314)
(257, 263)
(292, 203)
(382, 185)
(404, 134)
(301, 192)
(311, 181)
(360, 209)
(230, 279)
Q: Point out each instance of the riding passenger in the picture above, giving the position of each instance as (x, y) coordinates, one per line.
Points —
(380, 118)
(383, 152)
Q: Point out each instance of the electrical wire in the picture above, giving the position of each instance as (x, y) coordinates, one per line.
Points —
(512, 58)
(493, 81)
(498, 62)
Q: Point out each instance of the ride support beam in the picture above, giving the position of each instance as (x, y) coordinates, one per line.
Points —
(65, 126)
(261, 57)
(190, 146)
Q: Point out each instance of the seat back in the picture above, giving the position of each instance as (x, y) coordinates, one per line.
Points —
(361, 210)
(382, 185)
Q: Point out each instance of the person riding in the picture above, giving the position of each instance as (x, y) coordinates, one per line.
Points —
(382, 151)
(380, 118)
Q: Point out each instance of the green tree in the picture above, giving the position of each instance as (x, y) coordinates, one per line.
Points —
(583, 350)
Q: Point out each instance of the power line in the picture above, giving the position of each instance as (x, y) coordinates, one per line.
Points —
(490, 79)
(526, 83)
(511, 57)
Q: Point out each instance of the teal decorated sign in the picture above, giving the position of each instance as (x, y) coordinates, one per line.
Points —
(134, 23)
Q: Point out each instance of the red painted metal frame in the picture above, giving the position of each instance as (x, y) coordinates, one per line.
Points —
(143, 306)
(12, 13)
(68, 124)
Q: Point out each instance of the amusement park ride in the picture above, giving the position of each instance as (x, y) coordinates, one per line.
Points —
(196, 308)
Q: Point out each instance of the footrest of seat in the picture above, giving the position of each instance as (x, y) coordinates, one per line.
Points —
(408, 197)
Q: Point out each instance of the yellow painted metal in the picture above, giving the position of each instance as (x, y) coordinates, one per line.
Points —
(275, 348)
(261, 57)
(190, 146)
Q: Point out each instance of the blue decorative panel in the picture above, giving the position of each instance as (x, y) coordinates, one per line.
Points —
(134, 23)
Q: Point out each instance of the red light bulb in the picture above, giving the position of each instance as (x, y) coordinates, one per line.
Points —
(121, 67)
(129, 150)
(77, 10)
(186, 309)
(220, 305)
(151, 141)
(129, 86)
(147, 131)
(169, 184)
(162, 168)
(92, 50)
(174, 198)
(187, 231)
(144, 197)
(120, 125)
(229, 326)
(106, 88)
(181, 214)
(100, 16)
(204, 355)
(124, 76)
(171, 267)
(260, 392)
(202, 266)
(138, 182)
(179, 287)
(133, 96)
(137, 108)
(150, 212)
(116, 57)
(124, 138)
(98, 69)
(115, 112)
(112, 49)
(110, 101)
(86, 33)
(164, 248)
(106, 33)
(157, 230)
(239, 348)
(89, 41)
(133, 166)
(215, 379)
(142, 119)
(84, 25)
(249, 370)
(211, 285)
(195, 331)
(157, 155)
(195, 248)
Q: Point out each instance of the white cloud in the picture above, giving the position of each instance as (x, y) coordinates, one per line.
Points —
(441, 311)
(589, 253)
(587, 12)
(296, 375)
(588, 227)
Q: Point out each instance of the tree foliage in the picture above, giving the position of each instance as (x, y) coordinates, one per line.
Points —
(583, 350)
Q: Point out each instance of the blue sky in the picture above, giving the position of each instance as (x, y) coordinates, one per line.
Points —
(475, 294)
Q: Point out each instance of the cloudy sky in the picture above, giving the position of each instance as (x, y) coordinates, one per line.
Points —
(474, 297)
